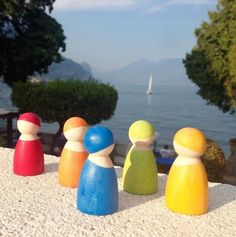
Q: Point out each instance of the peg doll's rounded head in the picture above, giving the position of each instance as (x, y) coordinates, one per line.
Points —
(75, 128)
(189, 142)
(28, 123)
(142, 133)
(99, 139)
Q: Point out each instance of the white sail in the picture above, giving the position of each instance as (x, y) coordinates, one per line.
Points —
(149, 90)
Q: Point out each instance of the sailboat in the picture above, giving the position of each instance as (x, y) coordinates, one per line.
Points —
(149, 90)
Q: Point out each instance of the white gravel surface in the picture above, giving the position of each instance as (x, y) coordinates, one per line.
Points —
(39, 206)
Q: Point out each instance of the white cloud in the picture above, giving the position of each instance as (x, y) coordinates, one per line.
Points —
(73, 5)
(169, 3)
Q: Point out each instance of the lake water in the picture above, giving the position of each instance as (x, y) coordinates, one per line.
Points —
(169, 108)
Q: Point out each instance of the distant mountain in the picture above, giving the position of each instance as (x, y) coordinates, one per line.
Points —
(68, 69)
(98, 73)
(86, 67)
(166, 72)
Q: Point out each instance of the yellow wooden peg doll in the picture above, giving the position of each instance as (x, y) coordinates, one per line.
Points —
(187, 184)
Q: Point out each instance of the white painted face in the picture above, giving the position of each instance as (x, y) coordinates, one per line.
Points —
(185, 152)
(143, 142)
(105, 152)
(27, 128)
(76, 134)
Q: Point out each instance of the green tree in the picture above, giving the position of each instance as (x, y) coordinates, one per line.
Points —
(30, 39)
(212, 63)
(59, 100)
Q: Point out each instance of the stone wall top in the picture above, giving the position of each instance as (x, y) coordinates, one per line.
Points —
(39, 206)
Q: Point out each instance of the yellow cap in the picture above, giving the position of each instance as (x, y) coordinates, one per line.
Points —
(141, 129)
(191, 138)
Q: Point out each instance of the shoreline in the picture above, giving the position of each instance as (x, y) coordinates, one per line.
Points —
(51, 128)
(119, 153)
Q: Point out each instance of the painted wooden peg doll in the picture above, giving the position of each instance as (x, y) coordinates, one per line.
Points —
(187, 184)
(73, 155)
(140, 169)
(98, 190)
(28, 155)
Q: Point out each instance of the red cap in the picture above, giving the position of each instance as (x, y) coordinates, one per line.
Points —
(30, 117)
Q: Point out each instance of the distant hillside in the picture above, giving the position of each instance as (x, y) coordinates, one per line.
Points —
(86, 67)
(166, 72)
(68, 69)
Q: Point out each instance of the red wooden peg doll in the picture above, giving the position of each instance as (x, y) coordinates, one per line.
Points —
(28, 155)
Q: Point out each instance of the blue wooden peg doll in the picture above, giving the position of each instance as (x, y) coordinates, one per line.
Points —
(98, 189)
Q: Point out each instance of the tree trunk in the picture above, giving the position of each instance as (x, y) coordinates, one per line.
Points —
(55, 137)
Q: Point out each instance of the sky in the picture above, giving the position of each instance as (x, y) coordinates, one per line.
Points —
(109, 34)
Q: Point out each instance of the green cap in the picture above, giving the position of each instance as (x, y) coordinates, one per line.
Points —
(141, 129)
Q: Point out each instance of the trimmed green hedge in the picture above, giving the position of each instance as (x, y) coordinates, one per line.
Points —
(214, 161)
(59, 100)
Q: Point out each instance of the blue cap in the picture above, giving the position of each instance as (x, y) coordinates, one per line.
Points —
(98, 138)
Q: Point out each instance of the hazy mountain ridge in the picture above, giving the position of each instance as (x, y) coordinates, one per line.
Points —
(166, 72)
(68, 69)
(86, 67)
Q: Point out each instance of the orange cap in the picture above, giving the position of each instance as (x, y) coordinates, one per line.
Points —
(74, 122)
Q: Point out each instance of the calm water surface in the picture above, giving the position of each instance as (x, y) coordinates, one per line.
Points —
(169, 108)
